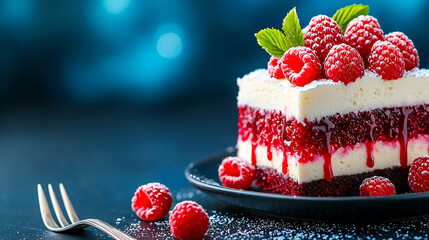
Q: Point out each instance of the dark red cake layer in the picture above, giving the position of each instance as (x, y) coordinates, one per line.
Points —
(271, 180)
(308, 139)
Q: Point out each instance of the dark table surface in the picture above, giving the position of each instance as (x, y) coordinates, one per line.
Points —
(103, 155)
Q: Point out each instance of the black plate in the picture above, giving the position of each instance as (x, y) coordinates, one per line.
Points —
(203, 175)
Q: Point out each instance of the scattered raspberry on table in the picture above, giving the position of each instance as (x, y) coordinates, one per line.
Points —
(189, 221)
(152, 201)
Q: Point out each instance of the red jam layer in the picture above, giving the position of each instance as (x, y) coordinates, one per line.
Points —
(308, 139)
(270, 180)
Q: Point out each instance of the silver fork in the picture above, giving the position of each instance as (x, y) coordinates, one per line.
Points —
(50, 223)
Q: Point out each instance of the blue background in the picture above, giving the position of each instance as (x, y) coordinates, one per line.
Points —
(107, 95)
(152, 53)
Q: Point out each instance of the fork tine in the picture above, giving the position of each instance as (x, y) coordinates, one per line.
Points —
(67, 203)
(47, 218)
(57, 209)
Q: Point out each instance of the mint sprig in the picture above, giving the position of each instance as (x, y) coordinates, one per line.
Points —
(292, 29)
(273, 41)
(276, 42)
(344, 15)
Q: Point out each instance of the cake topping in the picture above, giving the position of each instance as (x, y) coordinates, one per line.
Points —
(152, 201)
(236, 173)
(361, 33)
(377, 186)
(322, 33)
(276, 42)
(418, 177)
(343, 64)
(346, 14)
(386, 60)
(409, 52)
(274, 68)
(300, 65)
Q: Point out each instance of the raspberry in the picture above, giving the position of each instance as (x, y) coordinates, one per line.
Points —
(189, 221)
(274, 68)
(406, 46)
(377, 186)
(343, 63)
(361, 33)
(418, 177)
(386, 60)
(321, 34)
(300, 65)
(152, 201)
(234, 172)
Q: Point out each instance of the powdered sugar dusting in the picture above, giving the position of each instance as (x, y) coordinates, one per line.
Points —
(239, 226)
(235, 223)
(417, 72)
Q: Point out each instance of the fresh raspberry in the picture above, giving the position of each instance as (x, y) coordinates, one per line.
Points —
(300, 66)
(386, 60)
(418, 177)
(343, 64)
(274, 68)
(321, 34)
(152, 201)
(406, 46)
(377, 186)
(189, 221)
(361, 33)
(236, 173)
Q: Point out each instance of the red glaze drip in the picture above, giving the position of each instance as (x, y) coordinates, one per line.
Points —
(369, 157)
(269, 152)
(369, 144)
(284, 163)
(403, 137)
(327, 167)
(307, 139)
(254, 153)
(326, 127)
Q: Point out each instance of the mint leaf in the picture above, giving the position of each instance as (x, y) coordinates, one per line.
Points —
(344, 15)
(292, 29)
(273, 41)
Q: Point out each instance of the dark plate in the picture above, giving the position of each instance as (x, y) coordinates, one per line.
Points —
(203, 175)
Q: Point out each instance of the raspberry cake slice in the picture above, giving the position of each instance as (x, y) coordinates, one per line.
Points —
(320, 131)
(326, 137)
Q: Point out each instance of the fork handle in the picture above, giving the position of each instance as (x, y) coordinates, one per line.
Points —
(107, 228)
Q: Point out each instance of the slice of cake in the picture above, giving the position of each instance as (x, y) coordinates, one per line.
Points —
(317, 127)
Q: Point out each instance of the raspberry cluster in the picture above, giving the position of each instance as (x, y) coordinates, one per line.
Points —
(344, 57)
(188, 220)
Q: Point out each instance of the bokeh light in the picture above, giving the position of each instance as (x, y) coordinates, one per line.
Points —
(115, 6)
(153, 51)
(169, 45)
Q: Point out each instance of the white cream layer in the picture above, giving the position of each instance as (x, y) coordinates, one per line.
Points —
(325, 97)
(345, 161)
